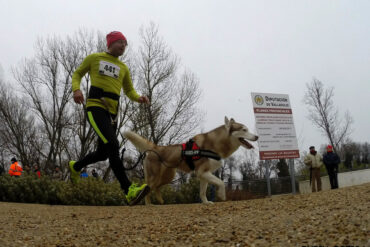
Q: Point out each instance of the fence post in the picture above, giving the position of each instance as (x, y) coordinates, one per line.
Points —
(267, 166)
(292, 175)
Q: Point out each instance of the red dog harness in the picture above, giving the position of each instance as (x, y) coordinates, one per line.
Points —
(191, 152)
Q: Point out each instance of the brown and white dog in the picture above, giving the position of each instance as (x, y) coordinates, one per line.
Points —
(160, 166)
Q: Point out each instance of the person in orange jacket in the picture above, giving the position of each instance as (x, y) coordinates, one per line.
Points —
(15, 169)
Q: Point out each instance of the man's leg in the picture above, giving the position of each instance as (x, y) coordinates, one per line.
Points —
(335, 178)
(100, 154)
(134, 193)
(313, 181)
(318, 179)
(100, 120)
(330, 177)
(116, 164)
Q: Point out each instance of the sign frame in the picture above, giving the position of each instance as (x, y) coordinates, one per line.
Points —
(275, 126)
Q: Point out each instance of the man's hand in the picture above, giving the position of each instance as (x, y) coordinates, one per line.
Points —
(144, 99)
(78, 97)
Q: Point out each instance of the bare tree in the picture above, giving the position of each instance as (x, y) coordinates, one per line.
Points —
(230, 165)
(60, 128)
(72, 52)
(248, 167)
(325, 116)
(172, 115)
(365, 153)
(272, 168)
(19, 136)
(46, 81)
(355, 153)
(221, 172)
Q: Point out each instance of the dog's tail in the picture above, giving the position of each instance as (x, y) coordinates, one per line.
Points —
(138, 141)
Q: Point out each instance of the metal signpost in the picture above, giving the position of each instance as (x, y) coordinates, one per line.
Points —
(275, 128)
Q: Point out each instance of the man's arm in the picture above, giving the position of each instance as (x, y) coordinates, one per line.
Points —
(325, 159)
(130, 92)
(320, 157)
(77, 77)
(307, 161)
(320, 160)
(337, 159)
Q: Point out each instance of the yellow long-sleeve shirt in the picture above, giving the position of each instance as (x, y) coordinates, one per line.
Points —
(107, 73)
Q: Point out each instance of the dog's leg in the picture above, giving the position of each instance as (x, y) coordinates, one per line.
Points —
(158, 196)
(210, 178)
(203, 191)
(147, 199)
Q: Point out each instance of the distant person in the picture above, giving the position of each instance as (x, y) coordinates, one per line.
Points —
(314, 161)
(237, 194)
(27, 170)
(37, 171)
(57, 174)
(15, 169)
(108, 76)
(95, 174)
(332, 161)
(84, 174)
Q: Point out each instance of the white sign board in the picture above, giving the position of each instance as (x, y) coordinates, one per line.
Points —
(275, 127)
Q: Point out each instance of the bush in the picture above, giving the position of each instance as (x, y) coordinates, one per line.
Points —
(89, 191)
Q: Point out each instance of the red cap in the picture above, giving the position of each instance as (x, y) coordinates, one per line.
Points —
(114, 36)
(329, 148)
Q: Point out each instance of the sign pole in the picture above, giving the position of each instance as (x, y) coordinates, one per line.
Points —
(292, 175)
(267, 166)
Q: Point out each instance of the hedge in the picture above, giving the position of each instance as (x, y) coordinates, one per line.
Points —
(89, 191)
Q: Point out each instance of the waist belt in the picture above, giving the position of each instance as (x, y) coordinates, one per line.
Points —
(191, 152)
(98, 93)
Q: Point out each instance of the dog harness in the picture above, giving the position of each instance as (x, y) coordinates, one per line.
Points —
(191, 152)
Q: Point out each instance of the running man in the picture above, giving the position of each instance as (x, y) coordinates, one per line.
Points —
(108, 76)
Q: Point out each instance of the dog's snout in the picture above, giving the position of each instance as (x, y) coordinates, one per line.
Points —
(256, 138)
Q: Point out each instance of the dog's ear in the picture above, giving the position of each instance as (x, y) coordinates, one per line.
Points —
(227, 124)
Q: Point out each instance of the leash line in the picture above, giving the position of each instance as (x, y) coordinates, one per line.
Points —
(142, 156)
(161, 160)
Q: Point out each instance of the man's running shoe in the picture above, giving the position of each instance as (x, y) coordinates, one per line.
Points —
(75, 175)
(136, 193)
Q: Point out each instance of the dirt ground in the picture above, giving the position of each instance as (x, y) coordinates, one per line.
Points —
(340, 217)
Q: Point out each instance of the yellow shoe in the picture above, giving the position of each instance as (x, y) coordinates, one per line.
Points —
(75, 175)
(136, 193)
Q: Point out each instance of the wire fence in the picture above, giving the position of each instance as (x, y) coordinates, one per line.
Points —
(250, 189)
(259, 187)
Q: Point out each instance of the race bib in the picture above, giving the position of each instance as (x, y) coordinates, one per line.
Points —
(108, 69)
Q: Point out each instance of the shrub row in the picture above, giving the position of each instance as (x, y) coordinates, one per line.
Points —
(89, 191)
(29, 189)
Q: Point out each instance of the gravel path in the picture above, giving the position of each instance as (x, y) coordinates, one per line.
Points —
(329, 218)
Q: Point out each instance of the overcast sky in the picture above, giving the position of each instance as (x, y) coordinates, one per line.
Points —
(234, 48)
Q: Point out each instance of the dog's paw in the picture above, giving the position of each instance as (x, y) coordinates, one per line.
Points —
(222, 195)
(207, 203)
